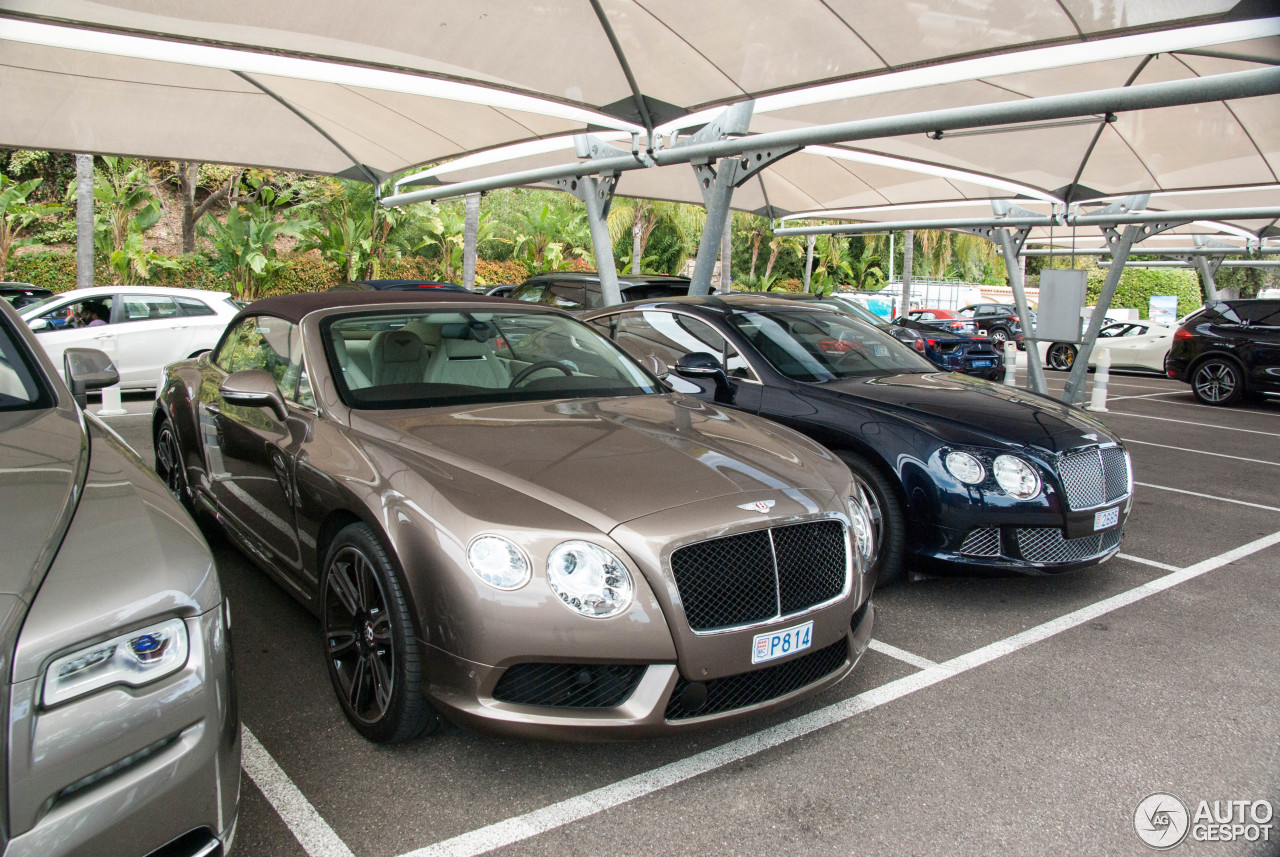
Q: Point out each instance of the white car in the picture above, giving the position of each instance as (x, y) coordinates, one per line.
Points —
(1134, 345)
(141, 328)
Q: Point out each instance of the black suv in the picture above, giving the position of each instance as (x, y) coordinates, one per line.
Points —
(1229, 350)
(998, 321)
(579, 292)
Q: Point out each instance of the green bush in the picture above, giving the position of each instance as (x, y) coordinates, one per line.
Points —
(1137, 285)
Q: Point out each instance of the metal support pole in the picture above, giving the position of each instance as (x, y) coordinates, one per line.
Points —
(1120, 247)
(84, 221)
(717, 181)
(908, 259)
(596, 194)
(470, 234)
(808, 262)
(726, 257)
(891, 249)
(1010, 244)
(1206, 270)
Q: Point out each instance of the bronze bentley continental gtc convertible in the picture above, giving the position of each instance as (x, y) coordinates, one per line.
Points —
(523, 544)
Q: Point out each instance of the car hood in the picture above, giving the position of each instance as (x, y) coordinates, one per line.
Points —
(610, 460)
(961, 409)
(43, 458)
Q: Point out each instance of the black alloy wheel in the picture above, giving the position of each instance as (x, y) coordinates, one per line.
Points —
(1060, 356)
(169, 465)
(888, 522)
(374, 659)
(1217, 382)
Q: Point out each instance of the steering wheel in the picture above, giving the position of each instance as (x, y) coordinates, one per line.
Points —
(562, 365)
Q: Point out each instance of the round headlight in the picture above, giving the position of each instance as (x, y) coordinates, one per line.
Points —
(589, 579)
(966, 468)
(1016, 477)
(498, 562)
(864, 532)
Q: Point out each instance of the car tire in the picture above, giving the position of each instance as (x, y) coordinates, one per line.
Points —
(373, 656)
(168, 463)
(999, 336)
(890, 554)
(1217, 381)
(1060, 356)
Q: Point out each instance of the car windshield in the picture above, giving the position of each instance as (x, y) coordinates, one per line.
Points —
(19, 387)
(817, 345)
(390, 360)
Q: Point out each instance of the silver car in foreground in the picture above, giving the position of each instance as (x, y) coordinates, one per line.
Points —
(123, 734)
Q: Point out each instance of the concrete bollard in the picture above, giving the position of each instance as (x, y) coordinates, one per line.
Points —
(112, 406)
(1010, 364)
(1098, 401)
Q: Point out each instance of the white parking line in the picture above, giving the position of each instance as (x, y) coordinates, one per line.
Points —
(313, 833)
(1129, 440)
(1208, 496)
(1151, 562)
(1218, 408)
(902, 655)
(1189, 423)
(556, 815)
(1144, 396)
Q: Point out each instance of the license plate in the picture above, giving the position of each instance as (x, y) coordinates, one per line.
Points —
(1106, 518)
(982, 364)
(777, 644)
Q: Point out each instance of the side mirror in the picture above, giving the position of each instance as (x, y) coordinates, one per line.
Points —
(254, 388)
(87, 369)
(38, 325)
(699, 364)
(656, 365)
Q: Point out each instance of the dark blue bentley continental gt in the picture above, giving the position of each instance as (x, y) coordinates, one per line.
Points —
(969, 475)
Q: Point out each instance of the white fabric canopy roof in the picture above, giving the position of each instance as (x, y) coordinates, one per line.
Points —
(398, 85)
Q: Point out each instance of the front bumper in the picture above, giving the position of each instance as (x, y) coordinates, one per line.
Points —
(128, 771)
(1016, 550)
(663, 702)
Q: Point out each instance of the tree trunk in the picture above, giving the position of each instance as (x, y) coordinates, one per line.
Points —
(84, 221)
(637, 240)
(755, 251)
(470, 236)
(908, 257)
(188, 181)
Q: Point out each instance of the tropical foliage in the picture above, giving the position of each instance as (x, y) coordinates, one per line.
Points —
(18, 214)
(245, 242)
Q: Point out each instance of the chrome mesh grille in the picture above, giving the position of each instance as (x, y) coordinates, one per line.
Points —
(1047, 544)
(1094, 476)
(760, 575)
(984, 541)
(752, 688)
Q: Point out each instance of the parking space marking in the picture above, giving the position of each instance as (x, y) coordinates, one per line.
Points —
(1208, 496)
(901, 654)
(1129, 440)
(1190, 423)
(1145, 395)
(565, 812)
(1218, 408)
(313, 833)
(1151, 562)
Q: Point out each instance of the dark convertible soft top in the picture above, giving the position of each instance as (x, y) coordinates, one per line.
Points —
(294, 307)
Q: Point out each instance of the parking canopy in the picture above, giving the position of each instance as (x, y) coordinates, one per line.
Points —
(318, 86)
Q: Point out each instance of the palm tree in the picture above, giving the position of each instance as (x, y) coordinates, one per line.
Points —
(642, 216)
(17, 215)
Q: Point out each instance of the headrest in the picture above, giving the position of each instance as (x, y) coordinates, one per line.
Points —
(428, 333)
(478, 331)
(400, 346)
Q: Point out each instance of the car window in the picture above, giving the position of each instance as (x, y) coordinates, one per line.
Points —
(1113, 330)
(433, 359)
(1261, 314)
(89, 312)
(191, 306)
(20, 388)
(1136, 330)
(669, 336)
(824, 346)
(144, 307)
(565, 296)
(267, 343)
(530, 292)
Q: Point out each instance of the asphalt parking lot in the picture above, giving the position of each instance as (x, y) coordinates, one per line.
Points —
(1019, 716)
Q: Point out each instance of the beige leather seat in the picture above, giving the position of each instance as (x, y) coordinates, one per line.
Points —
(397, 357)
(351, 372)
(461, 359)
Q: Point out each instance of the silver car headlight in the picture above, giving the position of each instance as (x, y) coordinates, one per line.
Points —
(1016, 477)
(589, 579)
(137, 658)
(864, 532)
(965, 467)
(498, 562)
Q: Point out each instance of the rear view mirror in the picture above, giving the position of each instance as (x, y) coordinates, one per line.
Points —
(254, 388)
(87, 369)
